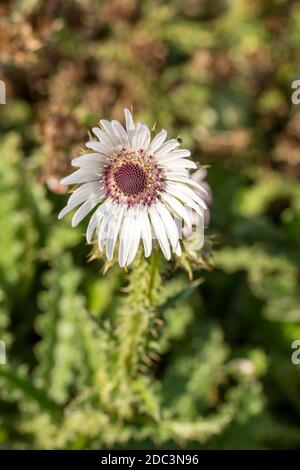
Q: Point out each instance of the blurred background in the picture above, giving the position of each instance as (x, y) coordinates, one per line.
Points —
(218, 75)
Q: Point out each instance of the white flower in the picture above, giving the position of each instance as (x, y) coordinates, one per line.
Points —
(138, 185)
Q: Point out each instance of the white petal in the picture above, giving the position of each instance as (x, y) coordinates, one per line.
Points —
(181, 172)
(65, 211)
(157, 141)
(181, 153)
(186, 199)
(178, 250)
(169, 224)
(100, 147)
(125, 238)
(141, 137)
(177, 207)
(89, 159)
(108, 135)
(178, 164)
(169, 158)
(185, 189)
(135, 237)
(166, 148)
(80, 195)
(160, 232)
(106, 138)
(129, 120)
(169, 175)
(147, 138)
(84, 192)
(108, 128)
(187, 181)
(113, 230)
(146, 233)
(120, 133)
(83, 211)
(138, 137)
(84, 175)
(96, 219)
(97, 131)
(102, 228)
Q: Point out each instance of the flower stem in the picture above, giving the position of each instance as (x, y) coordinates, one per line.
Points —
(153, 275)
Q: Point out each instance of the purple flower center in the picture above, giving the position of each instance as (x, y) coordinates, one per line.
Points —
(131, 179)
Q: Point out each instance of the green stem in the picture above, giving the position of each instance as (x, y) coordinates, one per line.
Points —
(153, 274)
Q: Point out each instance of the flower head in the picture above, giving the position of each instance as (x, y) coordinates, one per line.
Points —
(136, 186)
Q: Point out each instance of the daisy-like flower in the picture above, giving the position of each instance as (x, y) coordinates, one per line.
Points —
(138, 187)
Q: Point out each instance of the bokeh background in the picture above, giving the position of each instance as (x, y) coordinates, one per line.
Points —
(212, 367)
